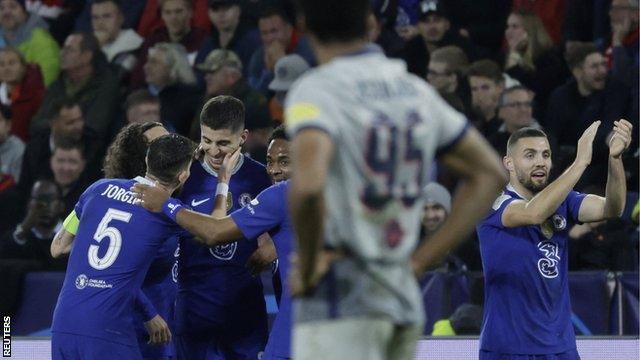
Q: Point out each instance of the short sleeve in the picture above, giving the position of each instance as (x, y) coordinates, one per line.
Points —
(574, 201)
(263, 213)
(86, 195)
(308, 105)
(450, 124)
(494, 218)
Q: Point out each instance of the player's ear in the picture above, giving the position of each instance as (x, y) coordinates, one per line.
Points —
(507, 161)
(244, 136)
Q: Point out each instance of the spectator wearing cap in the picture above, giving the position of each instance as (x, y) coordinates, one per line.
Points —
(28, 34)
(86, 79)
(531, 57)
(288, 70)
(223, 76)
(230, 31)
(177, 29)
(436, 209)
(279, 38)
(170, 77)
(21, 88)
(446, 72)
(119, 45)
(434, 31)
(11, 147)
(592, 94)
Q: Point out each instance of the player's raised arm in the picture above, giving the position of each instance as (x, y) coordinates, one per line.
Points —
(311, 150)
(544, 203)
(63, 241)
(477, 164)
(597, 208)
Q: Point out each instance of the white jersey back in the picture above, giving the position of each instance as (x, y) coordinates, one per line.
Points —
(387, 125)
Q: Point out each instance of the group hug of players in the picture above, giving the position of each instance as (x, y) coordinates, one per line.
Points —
(367, 174)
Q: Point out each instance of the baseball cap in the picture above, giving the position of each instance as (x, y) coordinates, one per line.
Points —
(287, 70)
(215, 4)
(437, 7)
(219, 58)
(437, 194)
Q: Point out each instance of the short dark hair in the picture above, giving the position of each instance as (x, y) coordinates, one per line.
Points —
(486, 68)
(117, 3)
(5, 110)
(126, 154)
(278, 133)
(141, 96)
(168, 155)
(576, 54)
(526, 132)
(90, 43)
(270, 11)
(64, 103)
(223, 112)
(335, 20)
(506, 92)
(67, 143)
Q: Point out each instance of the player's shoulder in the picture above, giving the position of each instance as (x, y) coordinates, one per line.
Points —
(252, 165)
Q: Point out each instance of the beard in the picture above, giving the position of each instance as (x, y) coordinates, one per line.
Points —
(526, 181)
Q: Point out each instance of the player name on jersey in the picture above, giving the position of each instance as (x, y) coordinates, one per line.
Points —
(117, 193)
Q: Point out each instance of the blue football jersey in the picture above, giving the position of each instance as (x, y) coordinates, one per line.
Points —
(527, 308)
(268, 213)
(215, 289)
(113, 248)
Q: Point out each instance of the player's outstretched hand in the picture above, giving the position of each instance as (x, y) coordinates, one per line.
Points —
(620, 138)
(158, 330)
(151, 197)
(228, 164)
(585, 144)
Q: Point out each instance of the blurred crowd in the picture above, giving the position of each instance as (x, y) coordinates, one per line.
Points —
(74, 72)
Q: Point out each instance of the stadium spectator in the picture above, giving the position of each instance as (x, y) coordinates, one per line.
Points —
(152, 18)
(446, 72)
(434, 31)
(486, 83)
(131, 11)
(288, 70)
(590, 95)
(279, 38)
(28, 34)
(171, 79)
(223, 76)
(177, 29)
(531, 57)
(87, 79)
(551, 13)
(467, 318)
(11, 147)
(623, 53)
(68, 164)
(68, 122)
(437, 207)
(31, 239)
(21, 88)
(119, 45)
(230, 31)
(142, 107)
(515, 109)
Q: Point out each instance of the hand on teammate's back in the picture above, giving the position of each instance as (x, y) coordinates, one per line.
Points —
(158, 330)
(620, 137)
(585, 144)
(151, 197)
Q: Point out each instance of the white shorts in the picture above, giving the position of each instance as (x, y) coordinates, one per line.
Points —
(354, 339)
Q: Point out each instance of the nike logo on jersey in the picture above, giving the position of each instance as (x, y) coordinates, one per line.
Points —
(196, 203)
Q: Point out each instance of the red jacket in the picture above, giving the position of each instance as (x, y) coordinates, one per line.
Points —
(25, 101)
(151, 19)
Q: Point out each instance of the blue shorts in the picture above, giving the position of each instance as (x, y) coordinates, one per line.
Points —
(221, 346)
(492, 355)
(72, 347)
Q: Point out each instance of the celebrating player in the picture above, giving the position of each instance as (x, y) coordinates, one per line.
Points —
(220, 308)
(365, 133)
(267, 213)
(112, 246)
(524, 240)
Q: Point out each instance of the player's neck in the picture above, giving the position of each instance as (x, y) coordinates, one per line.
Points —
(160, 183)
(521, 190)
(325, 52)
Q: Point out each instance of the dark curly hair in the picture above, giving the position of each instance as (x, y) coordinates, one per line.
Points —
(126, 155)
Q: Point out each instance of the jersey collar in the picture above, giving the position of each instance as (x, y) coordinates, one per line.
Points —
(510, 188)
(144, 180)
(210, 170)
